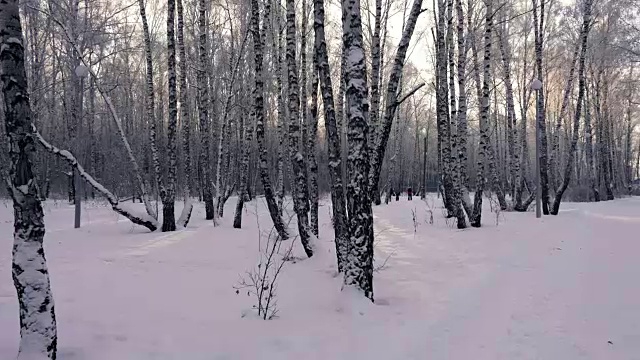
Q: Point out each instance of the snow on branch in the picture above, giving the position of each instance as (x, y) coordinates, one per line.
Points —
(137, 218)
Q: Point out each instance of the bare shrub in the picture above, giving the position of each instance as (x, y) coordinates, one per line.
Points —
(261, 281)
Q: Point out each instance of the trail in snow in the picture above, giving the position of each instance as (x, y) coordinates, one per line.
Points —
(518, 288)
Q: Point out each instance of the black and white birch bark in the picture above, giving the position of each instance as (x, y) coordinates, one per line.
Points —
(484, 104)
(203, 112)
(136, 218)
(589, 153)
(462, 128)
(185, 119)
(300, 202)
(538, 27)
(359, 266)
(150, 102)
(339, 212)
(258, 109)
(38, 331)
(168, 202)
(312, 161)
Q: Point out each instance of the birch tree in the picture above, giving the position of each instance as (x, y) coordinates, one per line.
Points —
(340, 224)
(359, 266)
(258, 109)
(38, 331)
(300, 201)
(485, 103)
(168, 201)
(185, 119)
(203, 112)
(538, 28)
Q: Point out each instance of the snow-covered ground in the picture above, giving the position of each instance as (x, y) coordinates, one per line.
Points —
(561, 287)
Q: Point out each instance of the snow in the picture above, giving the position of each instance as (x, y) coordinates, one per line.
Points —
(518, 288)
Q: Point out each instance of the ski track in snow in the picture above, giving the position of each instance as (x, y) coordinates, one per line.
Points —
(517, 288)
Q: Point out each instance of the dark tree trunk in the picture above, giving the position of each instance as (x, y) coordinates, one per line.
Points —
(168, 215)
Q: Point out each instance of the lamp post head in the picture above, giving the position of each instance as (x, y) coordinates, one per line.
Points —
(82, 71)
(536, 85)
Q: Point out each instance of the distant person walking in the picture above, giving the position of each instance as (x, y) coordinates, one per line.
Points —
(410, 194)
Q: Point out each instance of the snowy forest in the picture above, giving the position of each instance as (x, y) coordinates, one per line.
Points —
(305, 122)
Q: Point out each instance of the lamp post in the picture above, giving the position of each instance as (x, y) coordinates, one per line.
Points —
(424, 165)
(81, 72)
(536, 85)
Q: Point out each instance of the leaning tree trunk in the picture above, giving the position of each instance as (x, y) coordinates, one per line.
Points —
(150, 104)
(138, 219)
(476, 220)
(186, 121)
(168, 202)
(359, 266)
(300, 201)
(116, 119)
(258, 109)
(554, 155)
(391, 102)
(333, 138)
(203, 112)
(38, 332)
(584, 34)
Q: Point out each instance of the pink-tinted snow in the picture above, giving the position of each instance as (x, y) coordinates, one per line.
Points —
(519, 288)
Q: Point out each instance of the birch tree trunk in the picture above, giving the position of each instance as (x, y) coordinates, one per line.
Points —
(359, 266)
(447, 166)
(244, 173)
(584, 34)
(38, 331)
(300, 202)
(278, 50)
(311, 148)
(183, 220)
(150, 102)
(138, 219)
(485, 103)
(258, 109)
(589, 153)
(463, 132)
(554, 162)
(340, 226)
(512, 131)
(203, 112)
(168, 202)
(309, 116)
(538, 26)
(374, 113)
